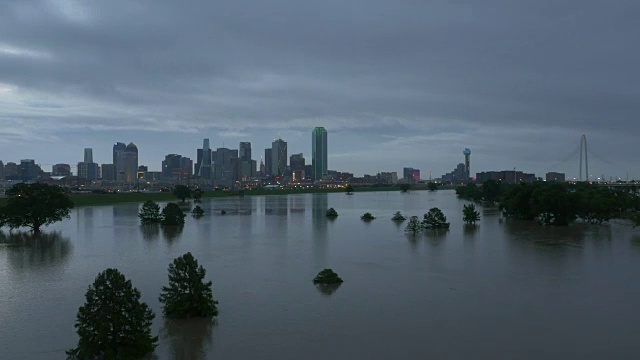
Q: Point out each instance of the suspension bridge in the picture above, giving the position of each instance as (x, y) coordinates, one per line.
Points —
(590, 165)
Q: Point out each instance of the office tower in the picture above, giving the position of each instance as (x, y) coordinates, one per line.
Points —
(11, 171)
(297, 164)
(1, 170)
(407, 174)
(224, 170)
(61, 170)
(267, 162)
(88, 171)
(119, 160)
(131, 163)
(279, 157)
(415, 176)
(246, 170)
(204, 161)
(186, 166)
(177, 168)
(245, 151)
(29, 170)
(88, 155)
(262, 168)
(108, 172)
(467, 164)
(319, 153)
(308, 171)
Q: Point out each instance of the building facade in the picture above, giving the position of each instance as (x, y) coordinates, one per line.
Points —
(61, 170)
(505, 176)
(204, 161)
(297, 164)
(119, 160)
(279, 158)
(11, 171)
(88, 171)
(131, 164)
(108, 172)
(457, 176)
(267, 162)
(29, 170)
(88, 155)
(177, 168)
(319, 153)
(555, 176)
(245, 151)
(225, 169)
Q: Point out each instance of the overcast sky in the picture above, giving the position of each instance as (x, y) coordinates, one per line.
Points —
(404, 83)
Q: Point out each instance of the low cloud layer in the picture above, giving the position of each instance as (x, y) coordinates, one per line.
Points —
(404, 83)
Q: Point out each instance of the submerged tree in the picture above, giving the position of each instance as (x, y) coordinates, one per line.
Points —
(197, 194)
(332, 212)
(404, 187)
(413, 226)
(367, 216)
(187, 294)
(34, 206)
(431, 186)
(398, 217)
(327, 276)
(349, 189)
(197, 212)
(172, 215)
(182, 192)
(113, 323)
(435, 219)
(470, 215)
(150, 213)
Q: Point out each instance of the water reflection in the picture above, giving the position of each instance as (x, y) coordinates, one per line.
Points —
(435, 237)
(125, 211)
(172, 232)
(533, 232)
(276, 205)
(327, 289)
(188, 338)
(470, 230)
(28, 250)
(150, 231)
(319, 221)
(297, 204)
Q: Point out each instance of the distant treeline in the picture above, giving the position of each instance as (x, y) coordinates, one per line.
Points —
(557, 203)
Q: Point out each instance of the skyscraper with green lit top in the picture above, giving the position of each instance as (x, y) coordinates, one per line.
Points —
(319, 153)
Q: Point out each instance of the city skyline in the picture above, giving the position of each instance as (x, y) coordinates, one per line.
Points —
(516, 82)
(568, 168)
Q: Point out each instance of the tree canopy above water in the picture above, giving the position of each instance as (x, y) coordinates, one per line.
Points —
(34, 205)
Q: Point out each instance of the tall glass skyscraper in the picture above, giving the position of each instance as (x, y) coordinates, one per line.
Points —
(119, 160)
(319, 153)
(204, 160)
(88, 155)
(131, 163)
(245, 151)
(278, 157)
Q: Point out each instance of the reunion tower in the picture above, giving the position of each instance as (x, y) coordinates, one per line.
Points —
(467, 164)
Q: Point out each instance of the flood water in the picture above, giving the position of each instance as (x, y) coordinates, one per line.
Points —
(504, 290)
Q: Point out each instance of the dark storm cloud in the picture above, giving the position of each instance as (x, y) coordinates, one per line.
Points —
(454, 73)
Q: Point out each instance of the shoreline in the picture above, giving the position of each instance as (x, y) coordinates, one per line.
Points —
(82, 200)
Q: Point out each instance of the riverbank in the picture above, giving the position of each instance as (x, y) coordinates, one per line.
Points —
(80, 200)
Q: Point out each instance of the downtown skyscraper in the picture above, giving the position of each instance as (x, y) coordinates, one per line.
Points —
(319, 153)
(278, 157)
(204, 159)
